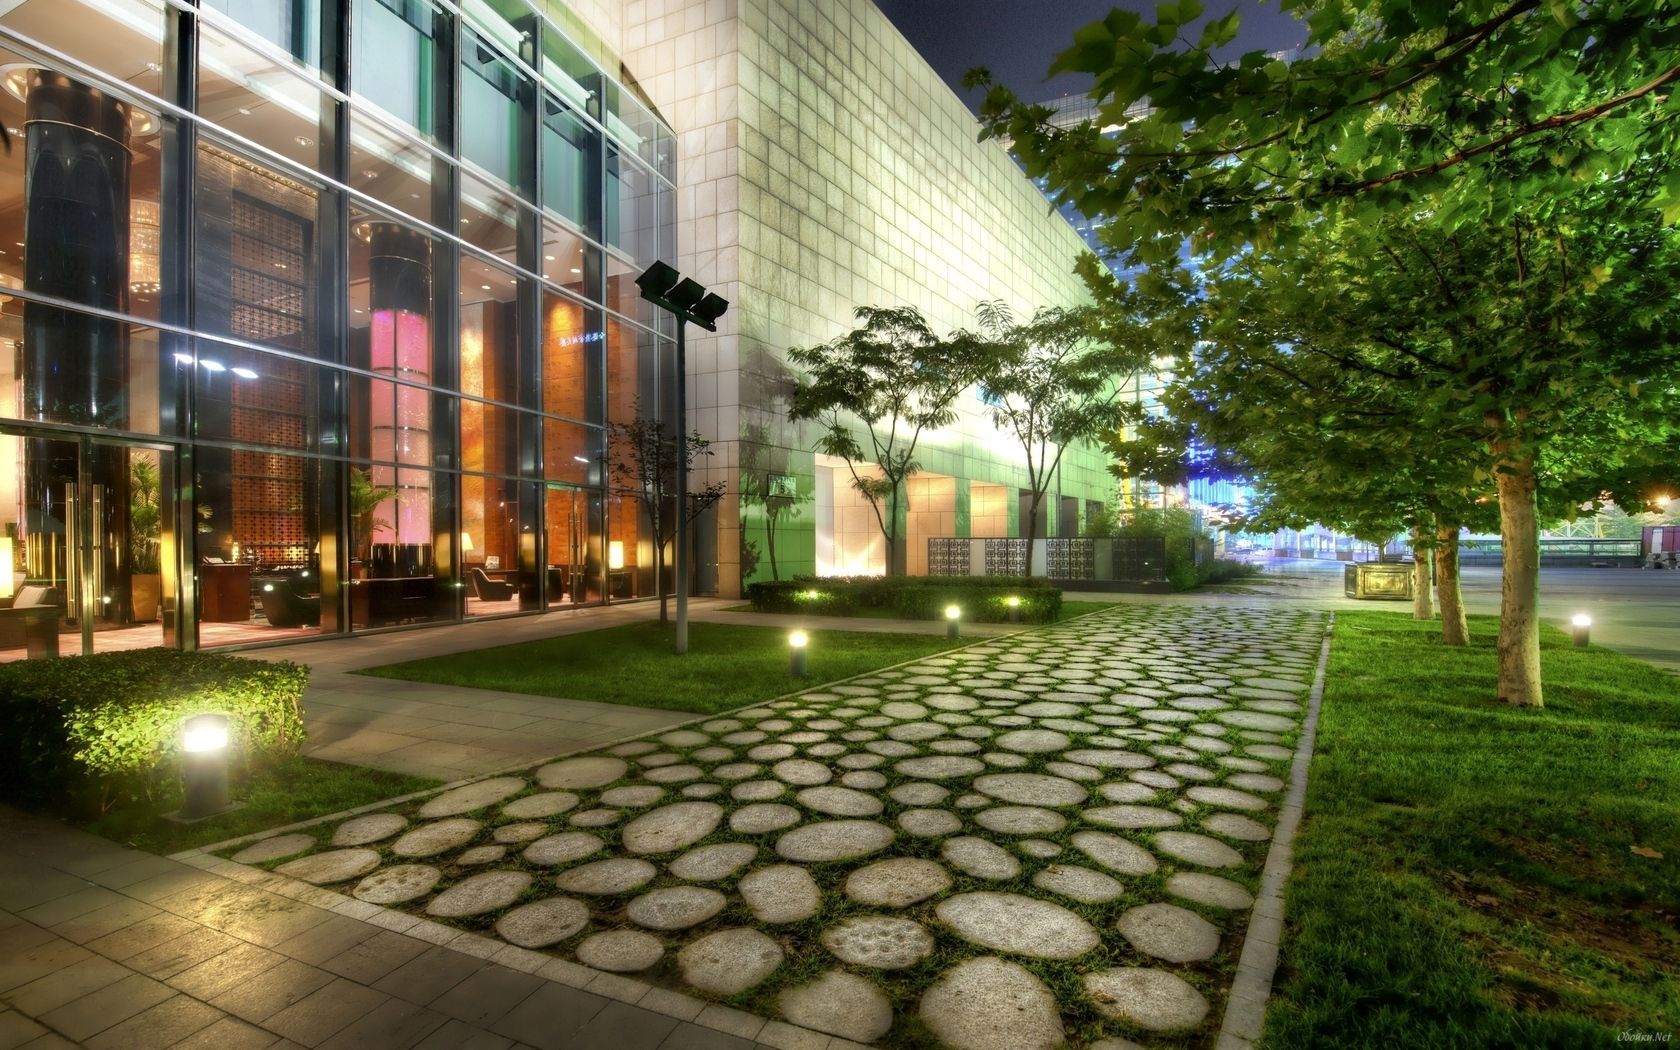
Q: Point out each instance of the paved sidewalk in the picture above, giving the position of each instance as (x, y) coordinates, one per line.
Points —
(114, 949)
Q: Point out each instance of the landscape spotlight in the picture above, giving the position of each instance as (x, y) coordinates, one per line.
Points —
(204, 738)
(1014, 603)
(796, 653)
(1583, 628)
(953, 617)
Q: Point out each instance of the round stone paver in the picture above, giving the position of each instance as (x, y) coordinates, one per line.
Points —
(929, 823)
(919, 793)
(839, 802)
(607, 878)
(337, 865)
(675, 907)
(1033, 741)
(881, 942)
(1109, 758)
(1114, 852)
(1210, 890)
(477, 894)
(757, 790)
(469, 797)
(395, 885)
(782, 893)
(542, 923)
(729, 962)
(763, 817)
(987, 1003)
(897, 883)
(709, 863)
(524, 831)
(939, 767)
(1020, 820)
(834, 840)
(1031, 789)
(1008, 922)
(265, 850)
(1133, 817)
(1226, 798)
(480, 855)
(1255, 720)
(563, 848)
(1236, 827)
(1197, 849)
(1152, 999)
(841, 1004)
(1255, 782)
(429, 840)
(545, 804)
(620, 951)
(1169, 932)
(635, 796)
(1080, 884)
(802, 772)
(585, 772)
(375, 827)
(979, 858)
(671, 828)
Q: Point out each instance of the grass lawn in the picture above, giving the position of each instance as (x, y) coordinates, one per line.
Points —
(1473, 875)
(726, 665)
(291, 791)
(1069, 611)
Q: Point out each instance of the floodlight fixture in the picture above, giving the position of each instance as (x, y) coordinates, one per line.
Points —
(658, 279)
(686, 295)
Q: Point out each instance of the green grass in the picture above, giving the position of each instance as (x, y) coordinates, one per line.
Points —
(726, 665)
(1466, 876)
(1069, 611)
(297, 789)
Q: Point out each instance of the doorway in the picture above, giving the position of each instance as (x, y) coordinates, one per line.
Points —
(86, 550)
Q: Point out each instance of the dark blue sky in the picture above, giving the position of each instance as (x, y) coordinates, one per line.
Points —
(1018, 39)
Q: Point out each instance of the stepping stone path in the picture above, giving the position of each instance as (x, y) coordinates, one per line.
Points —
(907, 821)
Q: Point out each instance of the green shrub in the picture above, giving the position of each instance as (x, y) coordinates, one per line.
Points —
(983, 599)
(96, 730)
(1224, 570)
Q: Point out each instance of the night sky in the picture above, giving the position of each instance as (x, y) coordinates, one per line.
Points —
(1018, 39)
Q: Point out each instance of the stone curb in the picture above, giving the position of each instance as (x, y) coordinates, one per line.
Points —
(1245, 1009)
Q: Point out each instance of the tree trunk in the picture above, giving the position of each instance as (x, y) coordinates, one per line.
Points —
(770, 541)
(1519, 607)
(1029, 531)
(1420, 578)
(1454, 630)
(659, 581)
(897, 562)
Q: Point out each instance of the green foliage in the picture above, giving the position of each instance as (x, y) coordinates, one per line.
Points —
(983, 599)
(106, 728)
(365, 499)
(144, 513)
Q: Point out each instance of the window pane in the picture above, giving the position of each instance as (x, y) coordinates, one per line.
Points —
(571, 150)
(254, 267)
(494, 92)
(632, 208)
(293, 25)
(563, 259)
(572, 452)
(260, 99)
(258, 539)
(390, 167)
(572, 355)
(71, 367)
(489, 367)
(401, 547)
(572, 519)
(489, 218)
(396, 47)
(256, 398)
(498, 545)
(121, 38)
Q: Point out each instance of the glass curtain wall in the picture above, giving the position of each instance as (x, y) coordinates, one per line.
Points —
(318, 325)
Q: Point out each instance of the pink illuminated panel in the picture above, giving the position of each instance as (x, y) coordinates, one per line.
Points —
(401, 347)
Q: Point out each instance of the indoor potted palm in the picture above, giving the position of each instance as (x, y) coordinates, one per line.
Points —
(365, 498)
(145, 582)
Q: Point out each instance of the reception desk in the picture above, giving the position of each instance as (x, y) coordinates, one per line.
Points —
(224, 593)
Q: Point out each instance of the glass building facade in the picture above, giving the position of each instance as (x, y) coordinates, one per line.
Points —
(315, 317)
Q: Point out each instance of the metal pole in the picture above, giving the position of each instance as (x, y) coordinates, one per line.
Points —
(682, 489)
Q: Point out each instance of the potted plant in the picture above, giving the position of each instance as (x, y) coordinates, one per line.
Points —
(365, 498)
(145, 582)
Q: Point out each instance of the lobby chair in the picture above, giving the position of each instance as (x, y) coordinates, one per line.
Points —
(283, 606)
(487, 590)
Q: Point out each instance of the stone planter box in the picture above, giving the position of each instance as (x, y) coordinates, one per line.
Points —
(1378, 581)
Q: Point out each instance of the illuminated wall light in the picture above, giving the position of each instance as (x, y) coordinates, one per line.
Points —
(615, 555)
(245, 373)
(6, 582)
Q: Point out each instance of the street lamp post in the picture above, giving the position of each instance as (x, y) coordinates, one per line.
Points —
(687, 301)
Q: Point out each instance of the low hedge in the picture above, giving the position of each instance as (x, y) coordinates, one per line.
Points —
(983, 599)
(97, 730)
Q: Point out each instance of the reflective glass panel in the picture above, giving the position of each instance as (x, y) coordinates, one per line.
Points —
(260, 99)
(396, 50)
(494, 93)
(390, 167)
(571, 359)
(293, 25)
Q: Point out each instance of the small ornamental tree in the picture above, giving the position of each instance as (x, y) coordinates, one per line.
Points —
(874, 392)
(644, 457)
(1054, 382)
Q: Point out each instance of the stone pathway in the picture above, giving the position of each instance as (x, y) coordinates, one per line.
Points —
(1041, 840)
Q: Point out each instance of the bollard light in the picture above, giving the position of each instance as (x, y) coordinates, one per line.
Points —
(1583, 629)
(797, 641)
(204, 738)
(1014, 603)
(953, 617)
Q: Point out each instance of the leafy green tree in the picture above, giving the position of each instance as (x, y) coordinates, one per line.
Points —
(1484, 191)
(874, 392)
(1056, 380)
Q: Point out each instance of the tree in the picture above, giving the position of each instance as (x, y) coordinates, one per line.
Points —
(644, 458)
(891, 379)
(1053, 382)
(767, 484)
(1508, 162)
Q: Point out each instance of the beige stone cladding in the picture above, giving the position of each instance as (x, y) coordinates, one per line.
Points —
(823, 165)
